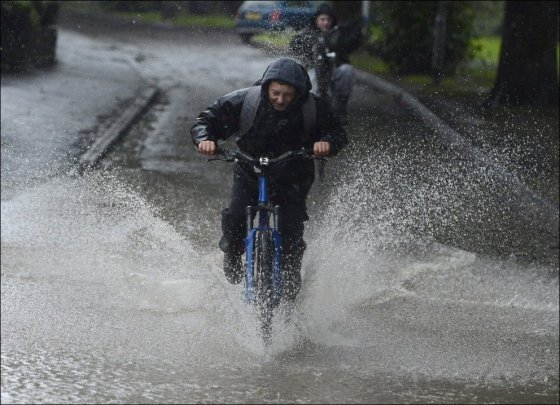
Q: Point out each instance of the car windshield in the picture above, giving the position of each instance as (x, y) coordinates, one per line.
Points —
(260, 4)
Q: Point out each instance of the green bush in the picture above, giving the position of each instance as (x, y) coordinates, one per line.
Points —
(404, 39)
(27, 37)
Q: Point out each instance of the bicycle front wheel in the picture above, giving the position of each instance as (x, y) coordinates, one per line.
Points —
(263, 278)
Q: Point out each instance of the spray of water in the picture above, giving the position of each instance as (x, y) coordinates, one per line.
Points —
(375, 258)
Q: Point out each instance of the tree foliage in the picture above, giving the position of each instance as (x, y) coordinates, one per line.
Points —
(407, 34)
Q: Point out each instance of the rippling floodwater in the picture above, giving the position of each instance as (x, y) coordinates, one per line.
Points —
(110, 303)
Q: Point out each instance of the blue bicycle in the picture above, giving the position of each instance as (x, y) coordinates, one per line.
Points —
(263, 244)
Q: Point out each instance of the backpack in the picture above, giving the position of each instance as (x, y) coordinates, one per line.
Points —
(251, 105)
(346, 38)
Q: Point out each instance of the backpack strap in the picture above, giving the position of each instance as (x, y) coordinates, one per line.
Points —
(249, 109)
(251, 105)
(309, 116)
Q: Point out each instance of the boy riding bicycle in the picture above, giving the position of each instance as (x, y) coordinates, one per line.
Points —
(279, 121)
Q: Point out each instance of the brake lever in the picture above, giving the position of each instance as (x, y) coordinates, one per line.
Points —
(222, 154)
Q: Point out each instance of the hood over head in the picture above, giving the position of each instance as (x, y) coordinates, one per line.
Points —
(287, 70)
(325, 9)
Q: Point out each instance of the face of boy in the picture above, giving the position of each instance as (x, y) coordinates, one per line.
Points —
(281, 95)
(324, 22)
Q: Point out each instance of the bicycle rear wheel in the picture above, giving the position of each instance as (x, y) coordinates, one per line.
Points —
(263, 279)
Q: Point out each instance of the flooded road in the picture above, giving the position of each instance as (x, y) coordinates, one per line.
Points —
(112, 288)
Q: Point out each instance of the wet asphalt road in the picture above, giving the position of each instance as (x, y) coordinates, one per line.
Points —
(112, 288)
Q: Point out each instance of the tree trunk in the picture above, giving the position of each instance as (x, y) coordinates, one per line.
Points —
(527, 70)
(438, 47)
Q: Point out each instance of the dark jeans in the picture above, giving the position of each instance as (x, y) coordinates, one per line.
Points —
(293, 213)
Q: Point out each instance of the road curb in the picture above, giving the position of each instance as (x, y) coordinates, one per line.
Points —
(118, 128)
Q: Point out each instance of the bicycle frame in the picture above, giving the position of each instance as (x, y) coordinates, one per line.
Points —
(263, 211)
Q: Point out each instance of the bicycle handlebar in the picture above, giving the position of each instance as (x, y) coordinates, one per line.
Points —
(228, 155)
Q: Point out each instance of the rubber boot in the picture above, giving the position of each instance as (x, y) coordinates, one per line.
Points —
(291, 277)
(231, 243)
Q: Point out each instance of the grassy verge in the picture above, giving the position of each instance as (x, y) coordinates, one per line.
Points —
(276, 39)
(182, 19)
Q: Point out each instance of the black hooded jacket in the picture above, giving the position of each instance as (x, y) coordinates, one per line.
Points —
(273, 132)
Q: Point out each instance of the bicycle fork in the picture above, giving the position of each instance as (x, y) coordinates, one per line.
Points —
(263, 209)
